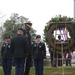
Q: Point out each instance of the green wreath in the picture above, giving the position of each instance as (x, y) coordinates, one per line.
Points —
(51, 26)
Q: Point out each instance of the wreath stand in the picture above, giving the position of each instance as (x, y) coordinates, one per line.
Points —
(56, 59)
(61, 43)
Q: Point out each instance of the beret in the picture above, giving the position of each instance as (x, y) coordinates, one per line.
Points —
(8, 36)
(21, 29)
(38, 36)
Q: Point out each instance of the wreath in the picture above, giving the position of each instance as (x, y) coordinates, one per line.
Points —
(59, 22)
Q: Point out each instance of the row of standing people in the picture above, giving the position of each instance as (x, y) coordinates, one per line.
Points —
(67, 55)
(20, 49)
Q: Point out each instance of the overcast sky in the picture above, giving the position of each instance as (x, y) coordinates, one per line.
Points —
(38, 11)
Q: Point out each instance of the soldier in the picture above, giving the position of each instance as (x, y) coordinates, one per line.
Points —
(29, 57)
(39, 54)
(19, 47)
(6, 56)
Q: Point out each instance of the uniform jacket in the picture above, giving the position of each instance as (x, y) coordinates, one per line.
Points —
(28, 36)
(39, 51)
(19, 46)
(6, 51)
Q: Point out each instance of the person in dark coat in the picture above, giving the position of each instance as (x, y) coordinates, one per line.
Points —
(59, 54)
(68, 58)
(19, 47)
(59, 61)
(39, 54)
(6, 56)
(29, 57)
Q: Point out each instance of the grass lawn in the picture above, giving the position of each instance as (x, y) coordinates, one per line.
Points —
(48, 71)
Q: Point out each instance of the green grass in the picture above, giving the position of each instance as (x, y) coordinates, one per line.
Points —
(48, 71)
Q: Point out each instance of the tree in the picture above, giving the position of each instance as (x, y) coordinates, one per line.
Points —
(33, 34)
(12, 24)
(15, 21)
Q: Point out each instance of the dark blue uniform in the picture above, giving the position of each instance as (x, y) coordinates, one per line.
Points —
(6, 58)
(19, 48)
(39, 53)
(29, 57)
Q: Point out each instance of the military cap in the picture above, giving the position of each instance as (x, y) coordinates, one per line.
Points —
(38, 36)
(8, 36)
(28, 24)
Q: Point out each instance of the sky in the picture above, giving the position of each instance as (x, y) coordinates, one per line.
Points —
(39, 12)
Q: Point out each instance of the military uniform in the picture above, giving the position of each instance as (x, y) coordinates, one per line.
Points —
(19, 47)
(29, 57)
(6, 58)
(39, 53)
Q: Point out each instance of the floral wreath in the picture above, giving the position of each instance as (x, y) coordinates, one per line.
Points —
(51, 26)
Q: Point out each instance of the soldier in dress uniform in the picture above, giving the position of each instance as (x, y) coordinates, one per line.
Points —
(39, 54)
(19, 48)
(6, 56)
(29, 57)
